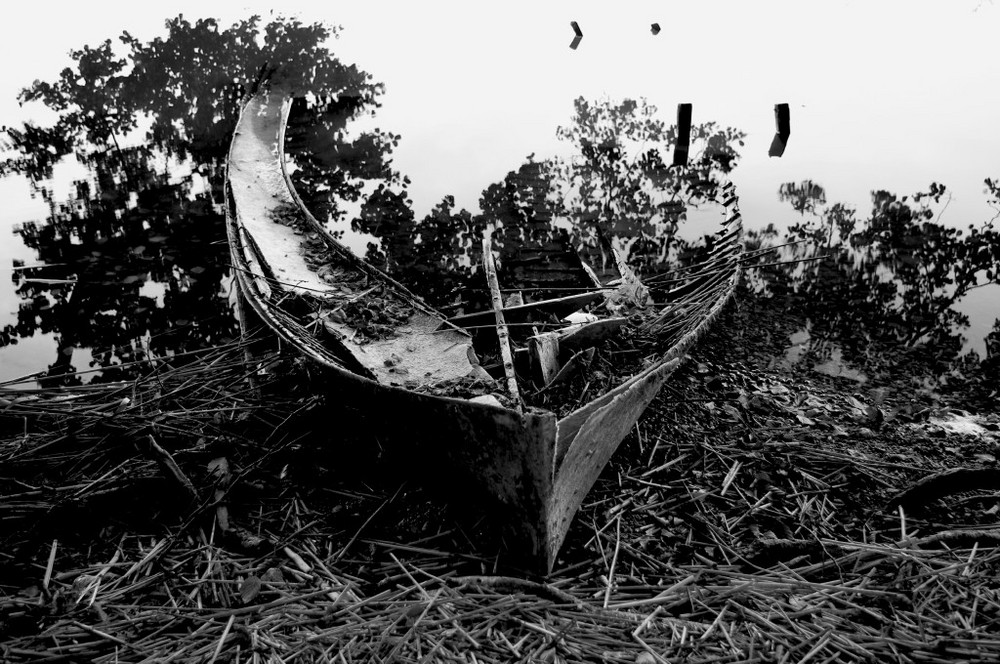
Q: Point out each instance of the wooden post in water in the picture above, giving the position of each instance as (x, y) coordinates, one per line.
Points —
(782, 130)
(683, 135)
(578, 34)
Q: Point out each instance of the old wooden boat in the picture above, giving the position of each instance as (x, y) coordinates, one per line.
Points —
(405, 369)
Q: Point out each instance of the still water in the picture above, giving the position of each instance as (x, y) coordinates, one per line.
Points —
(419, 132)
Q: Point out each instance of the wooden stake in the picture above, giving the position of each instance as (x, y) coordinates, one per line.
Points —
(494, 284)
(241, 317)
(683, 135)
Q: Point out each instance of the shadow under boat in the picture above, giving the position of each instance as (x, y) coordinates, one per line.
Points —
(411, 375)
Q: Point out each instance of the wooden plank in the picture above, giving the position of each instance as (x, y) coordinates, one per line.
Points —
(269, 261)
(544, 349)
(590, 334)
(683, 143)
(466, 451)
(591, 274)
(577, 361)
(631, 288)
(508, 359)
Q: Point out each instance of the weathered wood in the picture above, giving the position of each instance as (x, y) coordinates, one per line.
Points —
(269, 261)
(544, 349)
(632, 290)
(491, 279)
(591, 448)
(473, 451)
(514, 300)
(683, 143)
(590, 334)
(577, 361)
(589, 271)
(166, 462)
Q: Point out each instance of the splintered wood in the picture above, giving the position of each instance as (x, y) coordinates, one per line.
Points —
(544, 349)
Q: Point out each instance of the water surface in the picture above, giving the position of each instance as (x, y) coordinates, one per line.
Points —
(471, 120)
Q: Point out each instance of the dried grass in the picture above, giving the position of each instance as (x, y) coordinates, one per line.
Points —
(723, 539)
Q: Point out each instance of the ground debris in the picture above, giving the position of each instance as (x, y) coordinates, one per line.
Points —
(747, 518)
(371, 309)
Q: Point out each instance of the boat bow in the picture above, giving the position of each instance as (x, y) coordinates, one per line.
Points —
(303, 284)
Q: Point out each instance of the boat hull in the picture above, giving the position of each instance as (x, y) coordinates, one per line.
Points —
(534, 469)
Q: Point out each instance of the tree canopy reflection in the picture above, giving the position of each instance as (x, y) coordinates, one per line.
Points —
(151, 123)
(888, 280)
(543, 216)
(136, 257)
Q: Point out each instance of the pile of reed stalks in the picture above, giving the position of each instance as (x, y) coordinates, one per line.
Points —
(196, 515)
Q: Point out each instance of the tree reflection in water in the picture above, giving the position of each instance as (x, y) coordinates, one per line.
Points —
(137, 262)
(888, 281)
(543, 217)
(136, 256)
(150, 214)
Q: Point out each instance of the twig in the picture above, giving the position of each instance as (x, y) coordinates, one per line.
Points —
(614, 560)
(166, 462)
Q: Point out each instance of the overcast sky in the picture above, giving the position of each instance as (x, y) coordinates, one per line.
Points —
(883, 94)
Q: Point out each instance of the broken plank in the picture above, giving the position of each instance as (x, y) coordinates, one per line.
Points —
(544, 349)
(577, 361)
(631, 289)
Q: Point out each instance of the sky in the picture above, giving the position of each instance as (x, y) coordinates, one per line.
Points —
(883, 94)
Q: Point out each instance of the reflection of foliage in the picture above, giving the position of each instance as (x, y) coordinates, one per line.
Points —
(38, 150)
(535, 252)
(335, 168)
(805, 196)
(106, 250)
(892, 279)
(437, 257)
(188, 83)
(619, 186)
(147, 214)
(622, 184)
(993, 189)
